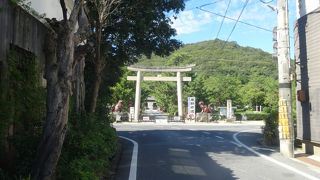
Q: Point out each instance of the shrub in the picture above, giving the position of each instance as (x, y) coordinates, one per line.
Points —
(270, 130)
(266, 109)
(22, 109)
(239, 110)
(256, 115)
(88, 148)
(238, 115)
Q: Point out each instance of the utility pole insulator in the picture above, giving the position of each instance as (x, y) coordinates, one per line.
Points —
(275, 44)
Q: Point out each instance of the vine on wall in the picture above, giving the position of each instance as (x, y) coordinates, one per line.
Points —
(22, 110)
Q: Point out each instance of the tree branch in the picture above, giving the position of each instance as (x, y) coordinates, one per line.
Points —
(75, 12)
(64, 10)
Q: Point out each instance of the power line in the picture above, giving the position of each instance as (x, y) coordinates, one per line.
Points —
(209, 3)
(248, 24)
(232, 19)
(225, 13)
(244, 6)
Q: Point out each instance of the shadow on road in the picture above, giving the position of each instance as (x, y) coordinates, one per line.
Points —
(186, 154)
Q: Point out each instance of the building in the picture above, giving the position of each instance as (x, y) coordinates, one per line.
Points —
(307, 54)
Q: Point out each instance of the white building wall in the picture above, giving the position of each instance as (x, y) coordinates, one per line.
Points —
(306, 6)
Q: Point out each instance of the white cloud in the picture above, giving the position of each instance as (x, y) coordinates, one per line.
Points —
(187, 22)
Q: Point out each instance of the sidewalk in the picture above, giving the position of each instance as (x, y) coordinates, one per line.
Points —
(310, 160)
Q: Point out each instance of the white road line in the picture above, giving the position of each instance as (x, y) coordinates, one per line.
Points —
(235, 143)
(134, 159)
(219, 137)
(264, 149)
(271, 159)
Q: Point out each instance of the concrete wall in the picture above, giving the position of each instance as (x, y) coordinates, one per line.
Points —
(20, 28)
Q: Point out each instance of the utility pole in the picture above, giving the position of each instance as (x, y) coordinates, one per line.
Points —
(286, 135)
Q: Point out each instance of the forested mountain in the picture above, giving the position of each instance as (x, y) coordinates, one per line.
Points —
(218, 57)
(224, 70)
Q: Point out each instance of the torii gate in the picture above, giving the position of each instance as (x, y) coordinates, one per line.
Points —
(140, 78)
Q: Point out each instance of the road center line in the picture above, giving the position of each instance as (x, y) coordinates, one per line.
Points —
(271, 159)
(134, 159)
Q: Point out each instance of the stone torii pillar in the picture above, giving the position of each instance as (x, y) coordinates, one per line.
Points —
(139, 78)
(179, 94)
(138, 96)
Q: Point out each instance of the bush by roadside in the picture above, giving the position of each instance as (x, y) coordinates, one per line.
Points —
(251, 115)
(270, 130)
(89, 147)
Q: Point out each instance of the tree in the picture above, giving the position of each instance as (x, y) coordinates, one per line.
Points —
(252, 93)
(135, 28)
(260, 90)
(177, 59)
(59, 61)
(123, 90)
(165, 95)
(195, 88)
(221, 88)
(100, 12)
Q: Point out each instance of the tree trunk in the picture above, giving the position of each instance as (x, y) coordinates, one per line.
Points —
(78, 77)
(98, 67)
(80, 85)
(59, 69)
(59, 61)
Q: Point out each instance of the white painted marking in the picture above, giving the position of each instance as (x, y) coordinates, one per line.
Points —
(264, 149)
(219, 137)
(271, 159)
(134, 159)
(235, 143)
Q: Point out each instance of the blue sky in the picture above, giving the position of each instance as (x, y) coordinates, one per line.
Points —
(194, 25)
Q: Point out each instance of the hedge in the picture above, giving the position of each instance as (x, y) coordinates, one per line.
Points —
(252, 115)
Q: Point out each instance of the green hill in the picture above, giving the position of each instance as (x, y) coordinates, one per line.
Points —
(246, 75)
(219, 58)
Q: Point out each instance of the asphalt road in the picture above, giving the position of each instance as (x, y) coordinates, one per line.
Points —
(198, 152)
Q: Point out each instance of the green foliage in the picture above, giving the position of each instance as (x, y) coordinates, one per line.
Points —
(248, 76)
(266, 109)
(22, 107)
(243, 74)
(221, 88)
(270, 130)
(256, 115)
(123, 90)
(89, 145)
(165, 95)
(195, 88)
(178, 58)
(90, 142)
(138, 28)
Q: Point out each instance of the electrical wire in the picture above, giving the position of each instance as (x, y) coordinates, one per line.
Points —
(210, 3)
(225, 13)
(242, 22)
(232, 19)
(234, 26)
